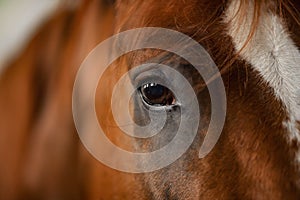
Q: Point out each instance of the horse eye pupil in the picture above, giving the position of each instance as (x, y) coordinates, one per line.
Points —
(155, 94)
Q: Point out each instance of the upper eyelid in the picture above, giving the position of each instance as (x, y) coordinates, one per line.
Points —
(153, 75)
(146, 68)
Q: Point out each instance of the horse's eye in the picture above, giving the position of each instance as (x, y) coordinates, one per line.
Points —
(157, 95)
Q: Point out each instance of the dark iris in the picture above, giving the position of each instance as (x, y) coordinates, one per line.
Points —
(155, 94)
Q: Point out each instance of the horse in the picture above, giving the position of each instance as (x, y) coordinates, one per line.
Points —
(255, 45)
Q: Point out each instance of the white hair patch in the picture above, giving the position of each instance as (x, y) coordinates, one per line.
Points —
(273, 54)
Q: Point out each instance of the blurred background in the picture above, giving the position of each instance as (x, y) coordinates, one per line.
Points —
(42, 44)
(19, 19)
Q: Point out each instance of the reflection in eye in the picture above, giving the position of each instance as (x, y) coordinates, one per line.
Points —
(157, 95)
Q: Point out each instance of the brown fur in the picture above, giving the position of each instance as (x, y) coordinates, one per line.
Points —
(41, 152)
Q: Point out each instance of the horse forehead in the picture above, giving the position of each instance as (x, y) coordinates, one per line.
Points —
(273, 54)
(175, 14)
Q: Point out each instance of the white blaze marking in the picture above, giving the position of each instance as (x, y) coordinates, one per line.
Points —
(273, 54)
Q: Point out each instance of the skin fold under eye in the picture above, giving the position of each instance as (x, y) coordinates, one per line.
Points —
(157, 95)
